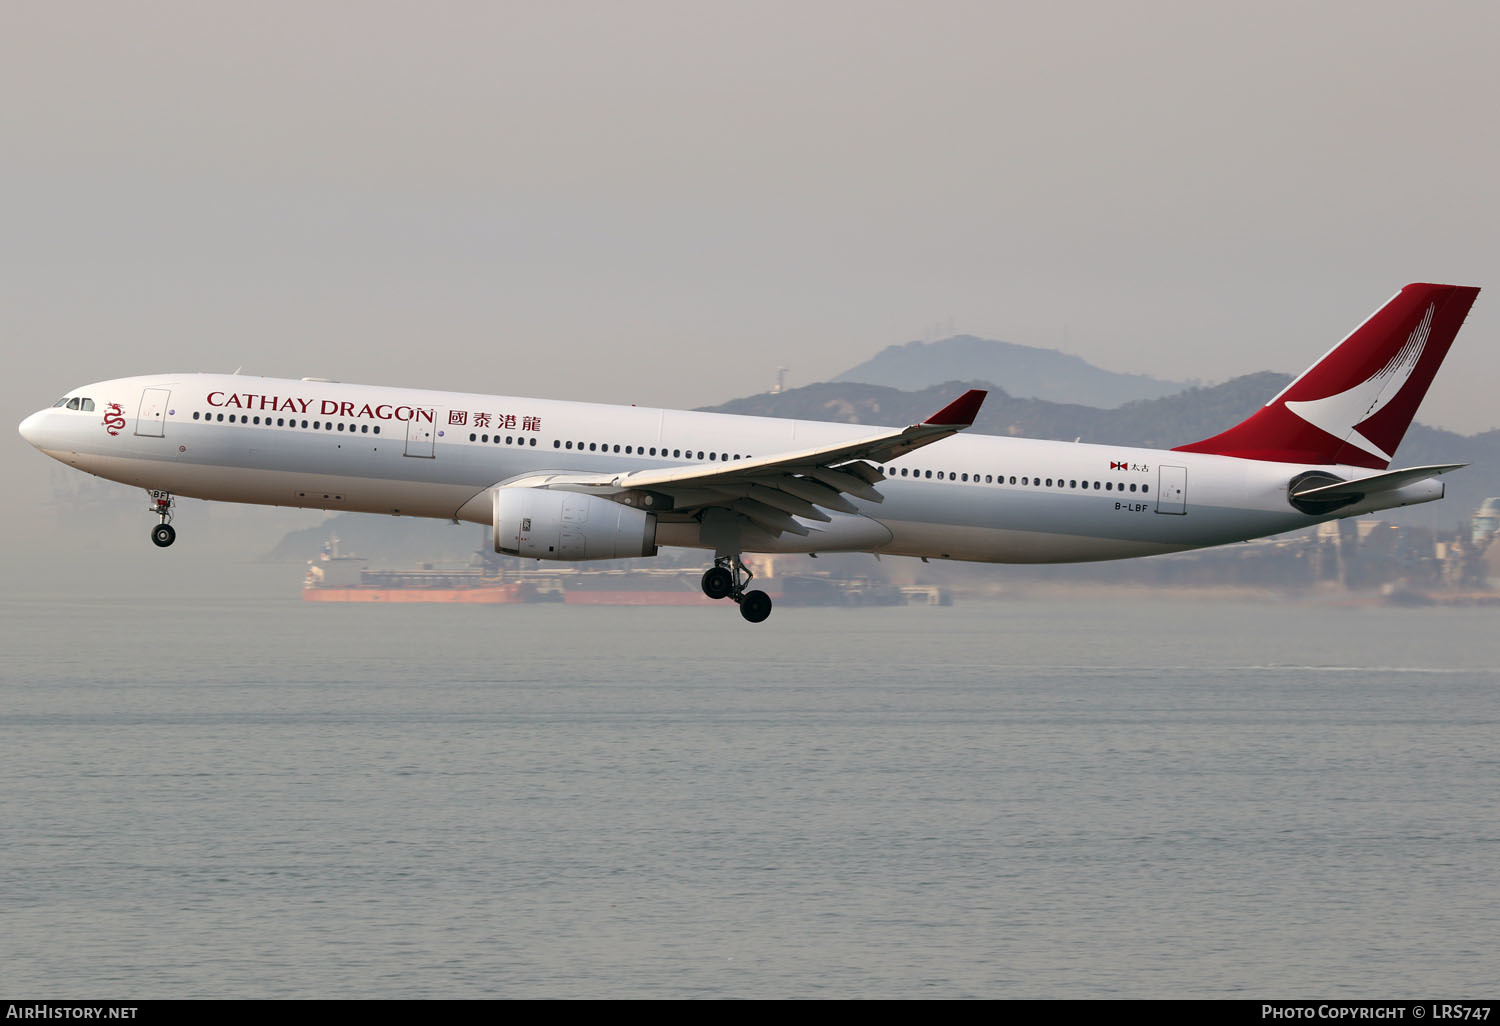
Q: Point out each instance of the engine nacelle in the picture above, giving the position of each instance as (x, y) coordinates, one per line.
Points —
(538, 523)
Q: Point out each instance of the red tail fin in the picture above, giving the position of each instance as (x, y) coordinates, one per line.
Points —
(1354, 405)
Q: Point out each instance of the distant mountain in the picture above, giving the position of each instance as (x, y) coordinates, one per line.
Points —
(1158, 423)
(1023, 371)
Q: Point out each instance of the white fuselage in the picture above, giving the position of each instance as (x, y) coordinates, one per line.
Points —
(413, 452)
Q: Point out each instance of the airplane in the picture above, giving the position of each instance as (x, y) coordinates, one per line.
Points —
(581, 481)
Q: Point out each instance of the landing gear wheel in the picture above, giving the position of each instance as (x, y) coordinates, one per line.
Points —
(727, 578)
(718, 582)
(755, 606)
(161, 505)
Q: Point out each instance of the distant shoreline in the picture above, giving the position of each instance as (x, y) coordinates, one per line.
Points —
(1334, 596)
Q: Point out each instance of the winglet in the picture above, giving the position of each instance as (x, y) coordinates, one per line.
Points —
(961, 411)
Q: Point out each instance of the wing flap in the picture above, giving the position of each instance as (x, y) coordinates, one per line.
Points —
(786, 502)
(844, 480)
(815, 492)
(773, 520)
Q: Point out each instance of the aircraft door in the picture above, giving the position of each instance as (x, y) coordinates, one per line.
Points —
(152, 418)
(1171, 490)
(421, 433)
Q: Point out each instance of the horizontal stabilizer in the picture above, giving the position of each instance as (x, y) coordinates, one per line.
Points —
(1365, 486)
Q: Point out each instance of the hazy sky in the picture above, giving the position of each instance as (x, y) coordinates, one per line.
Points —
(663, 202)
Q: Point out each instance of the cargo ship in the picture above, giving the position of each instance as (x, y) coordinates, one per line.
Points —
(337, 578)
(348, 579)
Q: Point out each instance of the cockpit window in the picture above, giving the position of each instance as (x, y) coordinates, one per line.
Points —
(88, 405)
(73, 403)
(60, 402)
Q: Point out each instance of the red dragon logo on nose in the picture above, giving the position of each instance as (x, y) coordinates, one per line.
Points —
(114, 419)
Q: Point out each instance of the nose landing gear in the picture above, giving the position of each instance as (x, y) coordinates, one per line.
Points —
(163, 534)
(724, 580)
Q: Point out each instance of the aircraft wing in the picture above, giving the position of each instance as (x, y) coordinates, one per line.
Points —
(771, 490)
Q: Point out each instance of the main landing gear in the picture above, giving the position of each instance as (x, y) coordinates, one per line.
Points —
(724, 580)
(161, 504)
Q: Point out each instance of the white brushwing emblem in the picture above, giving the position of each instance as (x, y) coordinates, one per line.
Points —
(1340, 414)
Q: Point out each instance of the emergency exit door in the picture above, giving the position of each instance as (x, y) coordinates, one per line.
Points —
(1171, 490)
(152, 417)
(421, 434)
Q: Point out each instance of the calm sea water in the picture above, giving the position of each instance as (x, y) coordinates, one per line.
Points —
(249, 797)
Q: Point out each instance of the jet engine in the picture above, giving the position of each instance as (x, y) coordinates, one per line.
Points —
(538, 523)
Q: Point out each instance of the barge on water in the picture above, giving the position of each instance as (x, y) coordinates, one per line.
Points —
(337, 578)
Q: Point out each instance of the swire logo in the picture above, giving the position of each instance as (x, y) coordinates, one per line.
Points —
(1340, 415)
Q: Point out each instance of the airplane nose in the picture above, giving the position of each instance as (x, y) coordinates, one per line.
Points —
(31, 429)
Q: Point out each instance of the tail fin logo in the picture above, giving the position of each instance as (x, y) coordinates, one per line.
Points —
(1341, 415)
(1354, 405)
